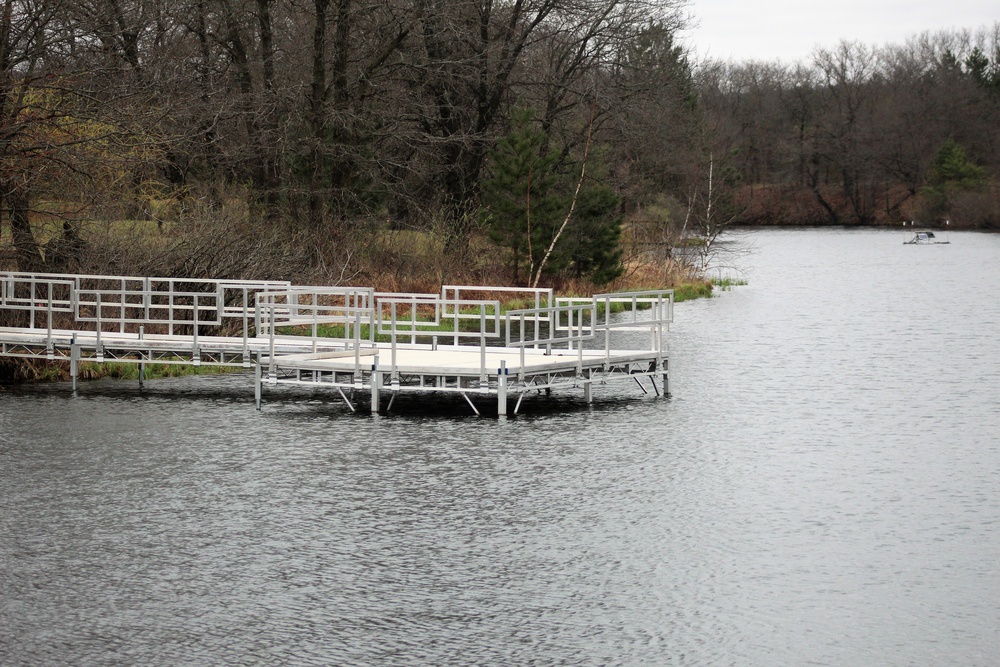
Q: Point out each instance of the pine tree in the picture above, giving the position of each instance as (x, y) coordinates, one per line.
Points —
(593, 247)
(950, 172)
(521, 198)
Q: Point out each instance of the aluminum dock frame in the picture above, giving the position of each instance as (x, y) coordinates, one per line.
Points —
(351, 340)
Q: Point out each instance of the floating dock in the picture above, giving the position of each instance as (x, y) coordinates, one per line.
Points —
(353, 341)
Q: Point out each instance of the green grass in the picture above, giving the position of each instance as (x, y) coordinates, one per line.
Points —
(726, 283)
(118, 370)
(688, 291)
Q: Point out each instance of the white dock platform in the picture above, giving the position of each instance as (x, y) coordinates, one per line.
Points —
(346, 339)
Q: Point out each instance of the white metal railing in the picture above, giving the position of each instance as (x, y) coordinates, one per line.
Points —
(651, 311)
(357, 316)
(570, 324)
(128, 300)
(102, 304)
(312, 307)
(349, 310)
(539, 297)
(416, 317)
(36, 297)
(576, 320)
(414, 312)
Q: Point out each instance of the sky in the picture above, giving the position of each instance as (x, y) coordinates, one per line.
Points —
(790, 29)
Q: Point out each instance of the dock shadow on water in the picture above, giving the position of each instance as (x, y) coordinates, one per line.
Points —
(820, 489)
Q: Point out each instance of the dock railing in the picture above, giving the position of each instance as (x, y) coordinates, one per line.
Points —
(577, 320)
(34, 298)
(570, 325)
(651, 311)
(539, 298)
(136, 305)
(414, 314)
(275, 318)
(346, 315)
(467, 322)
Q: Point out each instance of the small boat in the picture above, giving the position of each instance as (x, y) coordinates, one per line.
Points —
(925, 238)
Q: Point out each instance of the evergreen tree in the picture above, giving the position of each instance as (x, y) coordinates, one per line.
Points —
(521, 198)
(985, 73)
(592, 247)
(950, 168)
(951, 171)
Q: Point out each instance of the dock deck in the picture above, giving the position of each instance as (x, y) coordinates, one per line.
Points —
(345, 339)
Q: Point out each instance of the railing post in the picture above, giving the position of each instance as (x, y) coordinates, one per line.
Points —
(195, 354)
(31, 303)
(538, 305)
(607, 328)
(413, 318)
(74, 298)
(482, 343)
(271, 371)
(170, 307)
(49, 350)
(315, 324)
(392, 334)
(357, 346)
(246, 328)
(100, 350)
(553, 326)
(257, 391)
(122, 316)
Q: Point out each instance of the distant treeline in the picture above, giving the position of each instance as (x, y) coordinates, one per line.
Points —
(861, 135)
(528, 140)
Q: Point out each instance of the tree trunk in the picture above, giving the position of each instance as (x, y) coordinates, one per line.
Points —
(26, 248)
(317, 117)
(270, 163)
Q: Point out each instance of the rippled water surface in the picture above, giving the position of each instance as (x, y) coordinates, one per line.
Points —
(822, 488)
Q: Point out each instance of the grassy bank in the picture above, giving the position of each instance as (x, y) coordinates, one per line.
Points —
(34, 370)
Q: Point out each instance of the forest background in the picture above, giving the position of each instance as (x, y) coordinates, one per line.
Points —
(405, 143)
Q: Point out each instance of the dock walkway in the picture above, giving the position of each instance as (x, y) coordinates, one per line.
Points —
(350, 340)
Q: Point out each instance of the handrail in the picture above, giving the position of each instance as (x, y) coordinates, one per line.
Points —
(659, 304)
(541, 296)
(313, 306)
(44, 296)
(398, 316)
(106, 305)
(579, 325)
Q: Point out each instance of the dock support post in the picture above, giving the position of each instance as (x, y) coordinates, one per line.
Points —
(142, 365)
(257, 383)
(502, 389)
(588, 387)
(376, 387)
(74, 361)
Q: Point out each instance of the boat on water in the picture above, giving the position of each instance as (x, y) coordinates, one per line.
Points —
(925, 238)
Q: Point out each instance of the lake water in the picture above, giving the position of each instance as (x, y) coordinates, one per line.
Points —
(822, 488)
